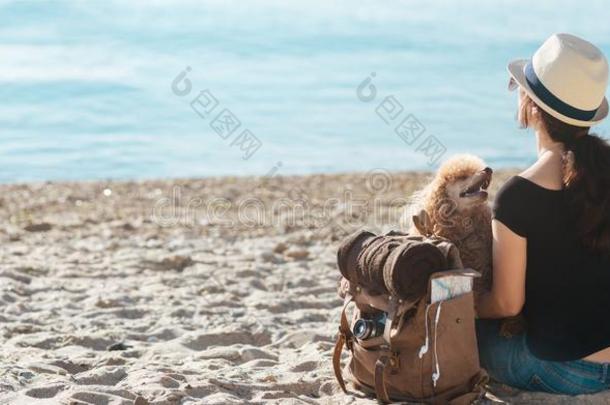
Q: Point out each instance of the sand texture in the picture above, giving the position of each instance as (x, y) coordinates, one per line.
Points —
(215, 291)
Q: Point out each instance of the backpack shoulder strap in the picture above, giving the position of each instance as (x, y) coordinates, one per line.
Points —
(344, 338)
(382, 365)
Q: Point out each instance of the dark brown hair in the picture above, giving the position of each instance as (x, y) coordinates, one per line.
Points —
(586, 180)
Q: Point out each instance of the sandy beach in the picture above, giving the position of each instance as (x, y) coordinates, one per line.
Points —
(212, 291)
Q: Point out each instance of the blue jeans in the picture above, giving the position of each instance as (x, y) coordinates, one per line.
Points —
(509, 361)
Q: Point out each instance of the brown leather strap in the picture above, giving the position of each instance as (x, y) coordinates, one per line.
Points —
(472, 390)
(478, 390)
(380, 369)
(337, 362)
(395, 317)
(344, 325)
(344, 337)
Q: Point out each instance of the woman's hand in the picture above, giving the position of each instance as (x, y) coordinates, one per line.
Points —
(507, 294)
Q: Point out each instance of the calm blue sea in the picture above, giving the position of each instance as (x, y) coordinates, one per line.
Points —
(86, 87)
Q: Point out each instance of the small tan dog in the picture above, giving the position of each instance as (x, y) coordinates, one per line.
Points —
(454, 206)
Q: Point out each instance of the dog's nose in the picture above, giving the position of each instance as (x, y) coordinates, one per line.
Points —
(488, 170)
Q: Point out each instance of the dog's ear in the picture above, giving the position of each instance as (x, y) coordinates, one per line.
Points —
(422, 223)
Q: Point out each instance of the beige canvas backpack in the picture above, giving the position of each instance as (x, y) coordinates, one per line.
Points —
(426, 349)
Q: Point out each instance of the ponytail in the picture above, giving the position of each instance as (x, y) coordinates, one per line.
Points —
(587, 180)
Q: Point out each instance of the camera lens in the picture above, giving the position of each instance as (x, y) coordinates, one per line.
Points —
(363, 328)
(369, 328)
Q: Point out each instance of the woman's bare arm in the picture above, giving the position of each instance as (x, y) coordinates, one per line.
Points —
(507, 295)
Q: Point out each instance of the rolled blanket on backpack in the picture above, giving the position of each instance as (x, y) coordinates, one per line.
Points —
(349, 250)
(450, 251)
(394, 263)
(371, 261)
(408, 268)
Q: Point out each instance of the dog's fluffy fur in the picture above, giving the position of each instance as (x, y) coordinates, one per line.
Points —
(443, 209)
(440, 209)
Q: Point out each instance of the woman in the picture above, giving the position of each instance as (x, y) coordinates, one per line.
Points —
(551, 231)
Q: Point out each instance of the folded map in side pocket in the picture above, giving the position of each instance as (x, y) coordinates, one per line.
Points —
(451, 286)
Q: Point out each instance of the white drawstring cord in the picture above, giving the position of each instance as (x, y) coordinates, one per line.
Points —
(424, 349)
(437, 374)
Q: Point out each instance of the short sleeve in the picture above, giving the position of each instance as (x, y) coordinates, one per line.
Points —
(509, 207)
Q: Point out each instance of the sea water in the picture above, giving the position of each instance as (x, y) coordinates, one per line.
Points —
(155, 89)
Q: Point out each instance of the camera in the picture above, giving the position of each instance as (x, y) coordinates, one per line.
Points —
(368, 328)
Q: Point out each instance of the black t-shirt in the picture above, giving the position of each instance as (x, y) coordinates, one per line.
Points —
(567, 289)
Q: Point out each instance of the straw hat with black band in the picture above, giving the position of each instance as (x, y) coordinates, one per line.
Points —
(567, 78)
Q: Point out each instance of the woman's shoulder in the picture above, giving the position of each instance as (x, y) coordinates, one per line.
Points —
(546, 172)
(542, 181)
(514, 186)
(520, 203)
(513, 194)
(512, 204)
(522, 191)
